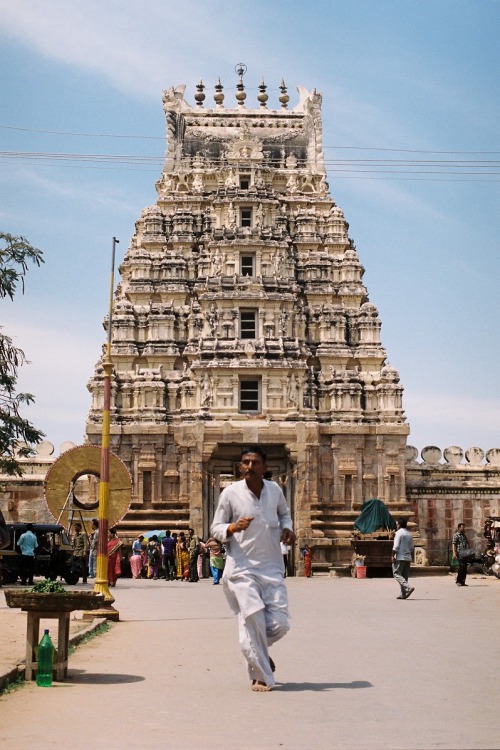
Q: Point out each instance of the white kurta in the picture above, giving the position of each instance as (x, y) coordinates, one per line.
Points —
(254, 572)
(257, 548)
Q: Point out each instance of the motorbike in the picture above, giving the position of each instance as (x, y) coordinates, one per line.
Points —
(485, 562)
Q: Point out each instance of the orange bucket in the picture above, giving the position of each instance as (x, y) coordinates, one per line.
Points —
(361, 571)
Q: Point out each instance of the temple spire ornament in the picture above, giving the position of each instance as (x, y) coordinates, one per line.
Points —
(199, 96)
(262, 97)
(240, 69)
(219, 96)
(284, 98)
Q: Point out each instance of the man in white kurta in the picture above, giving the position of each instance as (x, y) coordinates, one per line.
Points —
(251, 518)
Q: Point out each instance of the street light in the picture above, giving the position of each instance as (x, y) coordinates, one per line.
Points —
(101, 581)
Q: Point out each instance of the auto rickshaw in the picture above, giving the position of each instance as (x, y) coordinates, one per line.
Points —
(53, 556)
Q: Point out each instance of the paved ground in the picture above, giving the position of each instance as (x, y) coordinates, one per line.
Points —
(359, 669)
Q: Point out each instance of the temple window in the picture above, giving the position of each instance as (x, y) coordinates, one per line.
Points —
(248, 324)
(244, 181)
(249, 400)
(246, 217)
(248, 265)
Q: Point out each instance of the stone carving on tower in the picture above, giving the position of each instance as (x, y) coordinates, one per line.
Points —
(242, 317)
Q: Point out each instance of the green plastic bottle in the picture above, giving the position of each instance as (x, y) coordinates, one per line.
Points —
(45, 660)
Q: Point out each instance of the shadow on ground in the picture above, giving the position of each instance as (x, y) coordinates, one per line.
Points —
(89, 678)
(297, 687)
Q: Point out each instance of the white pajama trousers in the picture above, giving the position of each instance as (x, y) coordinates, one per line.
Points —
(262, 609)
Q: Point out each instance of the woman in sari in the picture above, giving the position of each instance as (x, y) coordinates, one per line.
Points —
(307, 555)
(182, 558)
(114, 566)
(136, 558)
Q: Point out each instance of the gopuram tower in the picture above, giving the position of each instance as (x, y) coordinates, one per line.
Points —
(241, 317)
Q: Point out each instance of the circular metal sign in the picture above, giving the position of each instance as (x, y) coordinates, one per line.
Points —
(61, 482)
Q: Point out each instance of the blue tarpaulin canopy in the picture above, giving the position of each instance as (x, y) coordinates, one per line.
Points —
(373, 517)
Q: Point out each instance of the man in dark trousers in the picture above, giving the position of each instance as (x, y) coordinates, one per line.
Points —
(460, 542)
(168, 548)
(402, 553)
(27, 543)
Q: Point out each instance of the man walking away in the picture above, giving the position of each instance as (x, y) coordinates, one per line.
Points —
(27, 543)
(402, 554)
(168, 544)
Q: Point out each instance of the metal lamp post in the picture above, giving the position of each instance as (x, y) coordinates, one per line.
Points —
(101, 581)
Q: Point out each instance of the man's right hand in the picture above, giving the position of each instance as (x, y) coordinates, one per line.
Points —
(240, 525)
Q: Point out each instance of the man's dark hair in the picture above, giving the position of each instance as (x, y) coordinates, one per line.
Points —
(254, 449)
(403, 522)
(167, 532)
(29, 527)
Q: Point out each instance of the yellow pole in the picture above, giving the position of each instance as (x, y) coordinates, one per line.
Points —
(101, 581)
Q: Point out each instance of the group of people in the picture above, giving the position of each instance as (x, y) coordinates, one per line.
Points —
(176, 557)
(85, 551)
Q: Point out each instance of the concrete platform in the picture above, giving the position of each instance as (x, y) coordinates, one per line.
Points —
(359, 669)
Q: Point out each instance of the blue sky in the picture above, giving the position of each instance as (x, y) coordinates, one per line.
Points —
(413, 80)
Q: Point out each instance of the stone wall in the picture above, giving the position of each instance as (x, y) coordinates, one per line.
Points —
(452, 486)
(443, 488)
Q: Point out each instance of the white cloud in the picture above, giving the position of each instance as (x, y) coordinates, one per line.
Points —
(59, 365)
(141, 48)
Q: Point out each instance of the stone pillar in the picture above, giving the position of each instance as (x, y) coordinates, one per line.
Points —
(359, 494)
(184, 475)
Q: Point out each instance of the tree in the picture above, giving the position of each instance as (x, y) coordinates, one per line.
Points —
(15, 255)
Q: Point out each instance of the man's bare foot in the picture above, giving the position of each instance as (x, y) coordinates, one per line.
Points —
(260, 687)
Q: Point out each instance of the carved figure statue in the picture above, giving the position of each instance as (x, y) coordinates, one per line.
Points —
(197, 183)
(213, 319)
(231, 216)
(206, 390)
(291, 185)
(277, 259)
(283, 323)
(216, 263)
(293, 392)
